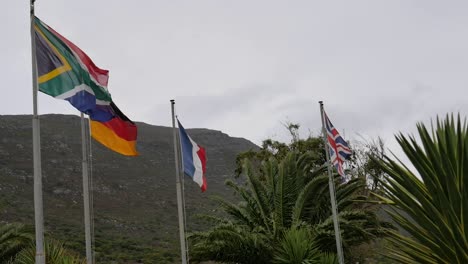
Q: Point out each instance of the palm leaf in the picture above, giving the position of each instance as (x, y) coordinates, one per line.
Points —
(55, 253)
(13, 238)
(433, 199)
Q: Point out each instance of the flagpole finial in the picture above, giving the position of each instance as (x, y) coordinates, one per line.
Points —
(31, 7)
(321, 102)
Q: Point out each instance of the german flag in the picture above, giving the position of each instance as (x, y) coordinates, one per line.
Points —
(118, 134)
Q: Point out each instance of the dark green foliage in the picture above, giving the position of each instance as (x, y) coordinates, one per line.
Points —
(17, 247)
(364, 163)
(278, 198)
(278, 150)
(14, 238)
(55, 253)
(326, 258)
(230, 243)
(296, 247)
(431, 203)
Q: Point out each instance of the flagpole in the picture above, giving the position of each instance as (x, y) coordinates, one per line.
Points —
(183, 195)
(87, 222)
(91, 193)
(331, 185)
(179, 190)
(38, 205)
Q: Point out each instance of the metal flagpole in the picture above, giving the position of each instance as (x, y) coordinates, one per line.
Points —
(89, 254)
(183, 194)
(185, 217)
(331, 185)
(91, 189)
(38, 205)
(179, 190)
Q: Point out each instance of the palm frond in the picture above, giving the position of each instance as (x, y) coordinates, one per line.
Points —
(55, 253)
(14, 238)
(433, 199)
(296, 247)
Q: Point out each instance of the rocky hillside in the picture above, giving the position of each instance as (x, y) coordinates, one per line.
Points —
(135, 208)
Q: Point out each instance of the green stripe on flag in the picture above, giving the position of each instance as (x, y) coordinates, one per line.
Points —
(62, 84)
(68, 80)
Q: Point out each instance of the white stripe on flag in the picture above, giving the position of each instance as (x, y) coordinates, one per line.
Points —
(77, 89)
(198, 173)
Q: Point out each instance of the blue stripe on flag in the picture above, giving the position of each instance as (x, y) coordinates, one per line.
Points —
(187, 149)
(340, 140)
(86, 102)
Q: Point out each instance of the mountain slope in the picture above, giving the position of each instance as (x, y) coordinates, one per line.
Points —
(135, 204)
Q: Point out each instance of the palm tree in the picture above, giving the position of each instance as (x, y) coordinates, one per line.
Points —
(13, 238)
(431, 203)
(55, 253)
(298, 246)
(277, 199)
(17, 247)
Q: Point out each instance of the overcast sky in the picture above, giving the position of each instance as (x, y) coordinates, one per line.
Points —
(246, 67)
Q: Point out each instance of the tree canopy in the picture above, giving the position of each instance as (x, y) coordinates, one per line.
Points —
(284, 198)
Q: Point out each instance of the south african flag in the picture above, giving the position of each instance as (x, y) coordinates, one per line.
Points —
(66, 72)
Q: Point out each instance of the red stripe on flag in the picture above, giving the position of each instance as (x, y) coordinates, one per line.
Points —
(124, 129)
(334, 132)
(331, 142)
(202, 155)
(100, 75)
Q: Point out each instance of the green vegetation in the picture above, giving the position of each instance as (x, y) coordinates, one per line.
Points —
(17, 247)
(13, 238)
(135, 206)
(278, 210)
(55, 253)
(284, 215)
(298, 246)
(431, 203)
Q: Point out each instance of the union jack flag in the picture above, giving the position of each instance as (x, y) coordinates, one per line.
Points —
(339, 150)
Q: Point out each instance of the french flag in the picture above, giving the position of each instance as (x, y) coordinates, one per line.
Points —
(193, 158)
